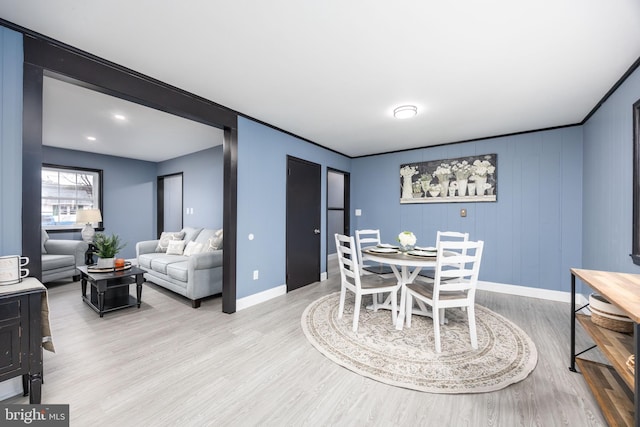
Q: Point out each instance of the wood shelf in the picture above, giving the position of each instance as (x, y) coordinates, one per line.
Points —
(616, 346)
(614, 386)
(612, 394)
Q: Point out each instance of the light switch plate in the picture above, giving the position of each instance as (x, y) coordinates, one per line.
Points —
(463, 213)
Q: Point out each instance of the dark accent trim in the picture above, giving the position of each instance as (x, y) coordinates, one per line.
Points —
(346, 210)
(230, 219)
(32, 168)
(635, 250)
(36, 35)
(115, 80)
(615, 87)
(469, 140)
(46, 56)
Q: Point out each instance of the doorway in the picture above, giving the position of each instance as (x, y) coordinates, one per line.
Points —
(338, 219)
(170, 203)
(43, 56)
(303, 223)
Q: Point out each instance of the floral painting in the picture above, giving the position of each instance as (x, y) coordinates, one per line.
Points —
(465, 179)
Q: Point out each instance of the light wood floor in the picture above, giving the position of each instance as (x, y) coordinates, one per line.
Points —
(167, 364)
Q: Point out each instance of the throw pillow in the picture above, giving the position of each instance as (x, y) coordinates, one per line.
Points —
(176, 247)
(166, 237)
(193, 248)
(215, 242)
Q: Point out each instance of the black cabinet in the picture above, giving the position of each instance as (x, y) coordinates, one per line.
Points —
(21, 335)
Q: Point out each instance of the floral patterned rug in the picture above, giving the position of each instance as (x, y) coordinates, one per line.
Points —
(407, 358)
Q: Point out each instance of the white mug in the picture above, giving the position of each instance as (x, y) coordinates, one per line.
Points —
(12, 269)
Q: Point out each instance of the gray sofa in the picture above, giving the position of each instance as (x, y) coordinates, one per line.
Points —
(194, 276)
(61, 257)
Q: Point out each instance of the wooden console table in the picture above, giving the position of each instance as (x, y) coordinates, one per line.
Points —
(615, 387)
(21, 335)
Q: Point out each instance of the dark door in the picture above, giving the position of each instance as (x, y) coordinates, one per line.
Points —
(303, 223)
(170, 203)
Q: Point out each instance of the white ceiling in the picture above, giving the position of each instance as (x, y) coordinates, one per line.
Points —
(72, 113)
(332, 71)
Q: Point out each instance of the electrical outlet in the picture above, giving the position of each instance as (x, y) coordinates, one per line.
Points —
(255, 274)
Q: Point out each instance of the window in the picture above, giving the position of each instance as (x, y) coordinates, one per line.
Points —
(65, 190)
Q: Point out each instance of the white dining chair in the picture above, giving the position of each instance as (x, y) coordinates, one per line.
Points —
(459, 264)
(444, 236)
(350, 279)
(366, 239)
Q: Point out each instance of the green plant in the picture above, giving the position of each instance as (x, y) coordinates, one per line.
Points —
(107, 246)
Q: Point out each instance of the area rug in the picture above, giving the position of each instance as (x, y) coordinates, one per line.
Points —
(407, 358)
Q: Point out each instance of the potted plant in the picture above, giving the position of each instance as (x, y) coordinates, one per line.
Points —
(106, 249)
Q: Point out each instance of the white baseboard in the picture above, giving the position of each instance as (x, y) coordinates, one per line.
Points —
(260, 297)
(11, 387)
(502, 288)
(525, 291)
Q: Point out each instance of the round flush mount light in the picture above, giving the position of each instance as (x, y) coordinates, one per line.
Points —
(119, 117)
(91, 138)
(405, 112)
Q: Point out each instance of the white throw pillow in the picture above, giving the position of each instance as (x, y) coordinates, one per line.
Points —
(215, 242)
(166, 237)
(193, 248)
(176, 247)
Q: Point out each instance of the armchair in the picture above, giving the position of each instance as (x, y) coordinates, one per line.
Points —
(61, 257)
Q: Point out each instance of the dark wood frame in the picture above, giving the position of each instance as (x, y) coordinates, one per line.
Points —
(346, 209)
(100, 173)
(635, 250)
(45, 56)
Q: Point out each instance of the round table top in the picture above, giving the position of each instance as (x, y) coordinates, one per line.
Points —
(400, 258)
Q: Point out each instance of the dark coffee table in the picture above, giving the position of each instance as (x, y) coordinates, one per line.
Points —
(110, 290)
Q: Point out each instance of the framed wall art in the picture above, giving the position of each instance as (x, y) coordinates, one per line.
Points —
(464, 179)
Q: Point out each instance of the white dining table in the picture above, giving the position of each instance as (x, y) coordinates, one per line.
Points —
(409, 268)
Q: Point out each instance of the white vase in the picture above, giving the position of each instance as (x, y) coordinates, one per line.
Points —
(444, 187)
(480, 182)
(472, 188)
(462, 186)
(106, 262)
(407, 189)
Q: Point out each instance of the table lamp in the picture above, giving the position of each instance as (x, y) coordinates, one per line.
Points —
(88, 217)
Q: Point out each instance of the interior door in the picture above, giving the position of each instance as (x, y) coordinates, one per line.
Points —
(303, 223)
(338, 220)
(170, 203)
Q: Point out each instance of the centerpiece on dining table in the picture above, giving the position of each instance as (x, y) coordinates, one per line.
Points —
(407, 241)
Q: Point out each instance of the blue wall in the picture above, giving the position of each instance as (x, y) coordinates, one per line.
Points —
(532, 233)
(129, 194)
(10, 142)
(203, 185)
(608, 174)
(262, 160)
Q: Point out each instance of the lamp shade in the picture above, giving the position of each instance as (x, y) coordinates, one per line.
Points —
(88, 216)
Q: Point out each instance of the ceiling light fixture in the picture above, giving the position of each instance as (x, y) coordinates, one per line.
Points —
(405, 112)
(91, 138)
(119, 117)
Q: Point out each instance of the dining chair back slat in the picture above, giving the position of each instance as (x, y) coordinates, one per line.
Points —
(366, 239)
(456, 278)
(351, 280)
